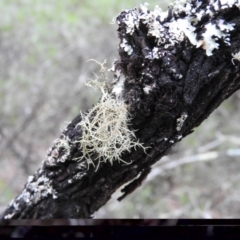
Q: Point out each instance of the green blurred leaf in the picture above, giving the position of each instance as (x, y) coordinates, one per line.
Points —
(8, 194)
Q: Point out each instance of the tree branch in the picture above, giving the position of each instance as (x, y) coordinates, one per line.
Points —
(175, 68)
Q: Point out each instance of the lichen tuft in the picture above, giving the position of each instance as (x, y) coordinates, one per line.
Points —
(105, 128)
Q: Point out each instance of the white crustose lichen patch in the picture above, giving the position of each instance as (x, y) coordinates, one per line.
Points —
(34, 191)
(180, 121)
(236, 56)
(61, 144)
(147, 89)
(208, 43)
(126, 47)
(9, 216)
(180, 26)
(118, 87)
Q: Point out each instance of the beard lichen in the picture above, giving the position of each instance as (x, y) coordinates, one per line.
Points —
(105, 127)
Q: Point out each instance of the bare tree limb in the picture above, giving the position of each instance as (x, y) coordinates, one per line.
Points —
(175, 68)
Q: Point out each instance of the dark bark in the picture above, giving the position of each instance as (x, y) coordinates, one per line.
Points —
(167, 97)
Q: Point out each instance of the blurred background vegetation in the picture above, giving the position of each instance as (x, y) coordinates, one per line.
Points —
(44, 47)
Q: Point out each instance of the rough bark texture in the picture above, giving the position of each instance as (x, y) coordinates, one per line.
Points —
(167, 97)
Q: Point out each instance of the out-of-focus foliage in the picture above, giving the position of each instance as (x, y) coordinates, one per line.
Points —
(44, 46)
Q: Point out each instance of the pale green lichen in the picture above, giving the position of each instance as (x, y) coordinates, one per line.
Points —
(105, 128)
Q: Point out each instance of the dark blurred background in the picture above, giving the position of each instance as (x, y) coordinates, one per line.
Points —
(44, 46)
